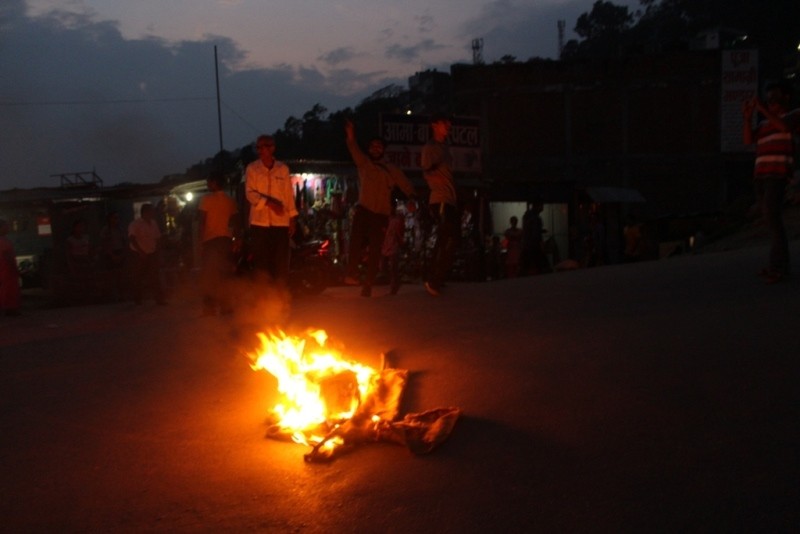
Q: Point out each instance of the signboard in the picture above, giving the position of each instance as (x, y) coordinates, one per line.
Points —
(43, 226)
(739, 83)
(405, 135)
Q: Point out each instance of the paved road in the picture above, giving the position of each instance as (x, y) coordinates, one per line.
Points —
(659, 396)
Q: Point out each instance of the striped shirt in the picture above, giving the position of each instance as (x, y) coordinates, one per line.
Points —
(775, 149)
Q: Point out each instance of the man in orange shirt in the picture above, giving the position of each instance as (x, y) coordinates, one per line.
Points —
(437, 171)
(219, 223)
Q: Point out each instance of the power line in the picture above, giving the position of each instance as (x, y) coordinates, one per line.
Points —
(50, 103)
(102, 102)
(256, 130)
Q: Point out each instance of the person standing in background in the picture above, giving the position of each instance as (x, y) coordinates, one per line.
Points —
(634, 244)
(219, 224)
(144, 237)
(513, 239)
(774, 166)
(113, 243)
(534, 260)
(79, 250)
(10, 292)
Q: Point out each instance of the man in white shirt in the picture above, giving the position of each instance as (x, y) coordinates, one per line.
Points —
(269, 191)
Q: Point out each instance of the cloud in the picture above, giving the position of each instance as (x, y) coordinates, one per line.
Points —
(75, 95)
(338, 55)
(386, 34)
(78, 92)
(354, 82)
(412, 53)
(426, 23)
(11, 10)
(524, 29)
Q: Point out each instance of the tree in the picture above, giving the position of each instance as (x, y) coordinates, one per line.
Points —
(770, 25)
(610, 30)
(293, 127)
(288, 139)
(316, 113)
(603, 31)
(603, 20)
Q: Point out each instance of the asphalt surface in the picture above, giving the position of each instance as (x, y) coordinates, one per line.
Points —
(659, 396)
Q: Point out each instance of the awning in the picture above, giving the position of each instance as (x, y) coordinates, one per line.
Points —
(614, 194)
(546, 192)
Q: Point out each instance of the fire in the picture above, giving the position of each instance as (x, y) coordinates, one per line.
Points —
(331, 403)
(319, 388)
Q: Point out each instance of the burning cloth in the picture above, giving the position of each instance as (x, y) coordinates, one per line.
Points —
(332, 404)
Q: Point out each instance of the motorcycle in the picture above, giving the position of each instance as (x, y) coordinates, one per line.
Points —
(311, 268)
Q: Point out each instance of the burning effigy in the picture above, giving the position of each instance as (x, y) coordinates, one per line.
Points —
(332, 404)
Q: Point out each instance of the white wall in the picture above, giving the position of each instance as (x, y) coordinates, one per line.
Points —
(555, 219)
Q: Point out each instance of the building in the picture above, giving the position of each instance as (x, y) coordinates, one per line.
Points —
(650, 123)
(662, 128)
(41, 219)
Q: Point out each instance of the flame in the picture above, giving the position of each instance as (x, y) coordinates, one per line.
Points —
(333, 404)
(319, 388)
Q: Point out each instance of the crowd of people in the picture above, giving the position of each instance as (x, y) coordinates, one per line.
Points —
(156, 250)
(382, 227)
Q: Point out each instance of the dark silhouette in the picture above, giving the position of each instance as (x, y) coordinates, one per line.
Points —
(513, 242)
(113, 252)
(774, 140)
(10, 293)
(145, 238)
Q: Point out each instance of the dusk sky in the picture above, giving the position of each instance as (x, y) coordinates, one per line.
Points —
(127, 88)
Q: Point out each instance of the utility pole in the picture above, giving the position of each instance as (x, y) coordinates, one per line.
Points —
(219, 110)
(477, 51)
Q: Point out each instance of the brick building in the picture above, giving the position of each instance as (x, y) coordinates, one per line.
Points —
(649, 123)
